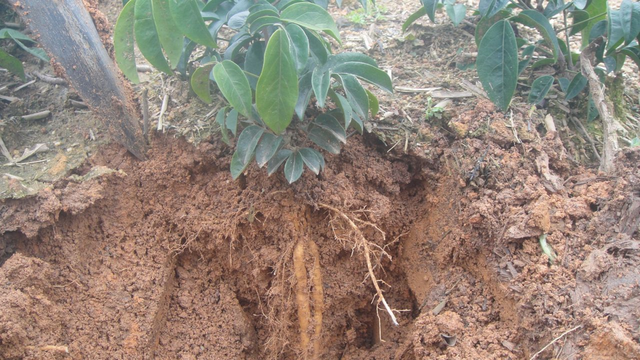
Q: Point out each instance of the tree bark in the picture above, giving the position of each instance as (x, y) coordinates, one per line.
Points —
(66, 31)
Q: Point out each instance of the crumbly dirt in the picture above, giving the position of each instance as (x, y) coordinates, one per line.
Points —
(170, 258)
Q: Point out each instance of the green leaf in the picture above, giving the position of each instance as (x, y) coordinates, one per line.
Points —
(312, 17)
(488, 8)
(319, 155)
(343, 104)
(576, 86)
(633, 53)
(293, 167)
(330, 124)
(374, 104)
(267, 148)
(367, 73)
(277, 89)
(238, 20)
(580, 18)
(277, 160)
(536, 20)
(123, 41)
(223, 128)
(345, 57)
(253, 62)
(456, 13)
(317, 46)
(320, 81)
(200, 82)
(147, 36)
(232, 121)
(212, 5)
(12, 64)
(7, 33)
(299, 45)
(237, 43)
(540, 88)
(497, 63)
(310, 159)
(596, 10)
(245, 149)
(234, 86)
(356, 95)
(37, 52)
(168, 32)
(304, 95)
(564, 84)
(486, 22)
(260, 13)
(413, 17)
(262, 22)
(186, 16)
(630, 13)
(430, 7)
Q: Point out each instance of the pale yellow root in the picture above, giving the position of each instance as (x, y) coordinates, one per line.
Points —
(302, 298)
(318, 299)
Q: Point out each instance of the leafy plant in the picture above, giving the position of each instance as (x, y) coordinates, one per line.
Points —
(503, 55)
(10, 62)
(275, 59)
(433, 110)
(359, 16)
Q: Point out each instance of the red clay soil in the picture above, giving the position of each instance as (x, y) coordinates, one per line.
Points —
(170, 258)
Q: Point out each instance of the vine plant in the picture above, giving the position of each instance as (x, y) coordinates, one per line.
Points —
(275, 58)
(503, 56)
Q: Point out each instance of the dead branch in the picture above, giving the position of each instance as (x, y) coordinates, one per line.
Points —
(367, 255)
(604, 106)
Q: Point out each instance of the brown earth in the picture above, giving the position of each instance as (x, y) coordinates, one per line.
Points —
(170, 258)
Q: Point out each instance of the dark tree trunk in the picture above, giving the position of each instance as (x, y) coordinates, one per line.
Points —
(67, 32)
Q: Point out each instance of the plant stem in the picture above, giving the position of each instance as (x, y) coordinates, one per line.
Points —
(582, 22)
(566, 33)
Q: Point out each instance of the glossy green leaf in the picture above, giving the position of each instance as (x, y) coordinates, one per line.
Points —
(576, 86)
(456, 13)
(168, 32)
(237, 43)
(540, 88)
(267, 148)
(220, 116)
(293, 167)
(253, 62)
(564, 84)
(430, 7)
(12, 64)
(534, 19)
(299, 45)
(633, 53)
(212, 5)
(356, 95)
(232, 121)
(320, 157)
(304, 95)
(486, 22)
(312, 17)
(7, 33)
(413, 17)
(345, 57)
(200, 82)
(37, 52)
(261, 22)
(497, 63)
(374, 104)
(254, 15)
(320, 82)
(324, 140)
(277, 89)
(488, 8)
(343, 104)
(367, 73)
(245, 149)
(147, 36)
(597, 10)
(580, 22)
(317, 46)
(277, 160)
(234, 86)
(238, 20)
(311, 159)
(123, 41)
(331, 124)
(630, 12)
(186, 15)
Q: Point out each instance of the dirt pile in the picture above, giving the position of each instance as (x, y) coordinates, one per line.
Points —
(170, 258)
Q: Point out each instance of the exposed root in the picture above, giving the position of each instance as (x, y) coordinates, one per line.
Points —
(318, 300)
(302, 298)
(362, 241)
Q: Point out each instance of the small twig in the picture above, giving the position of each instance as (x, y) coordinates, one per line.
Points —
(50, 79)
(78, 104)
(367, 256)
(144, 68)
(36, 116)
(145, 114)
(5, 151)
(9, 99)
(24, 85)
(554, 341)
(163, 108)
